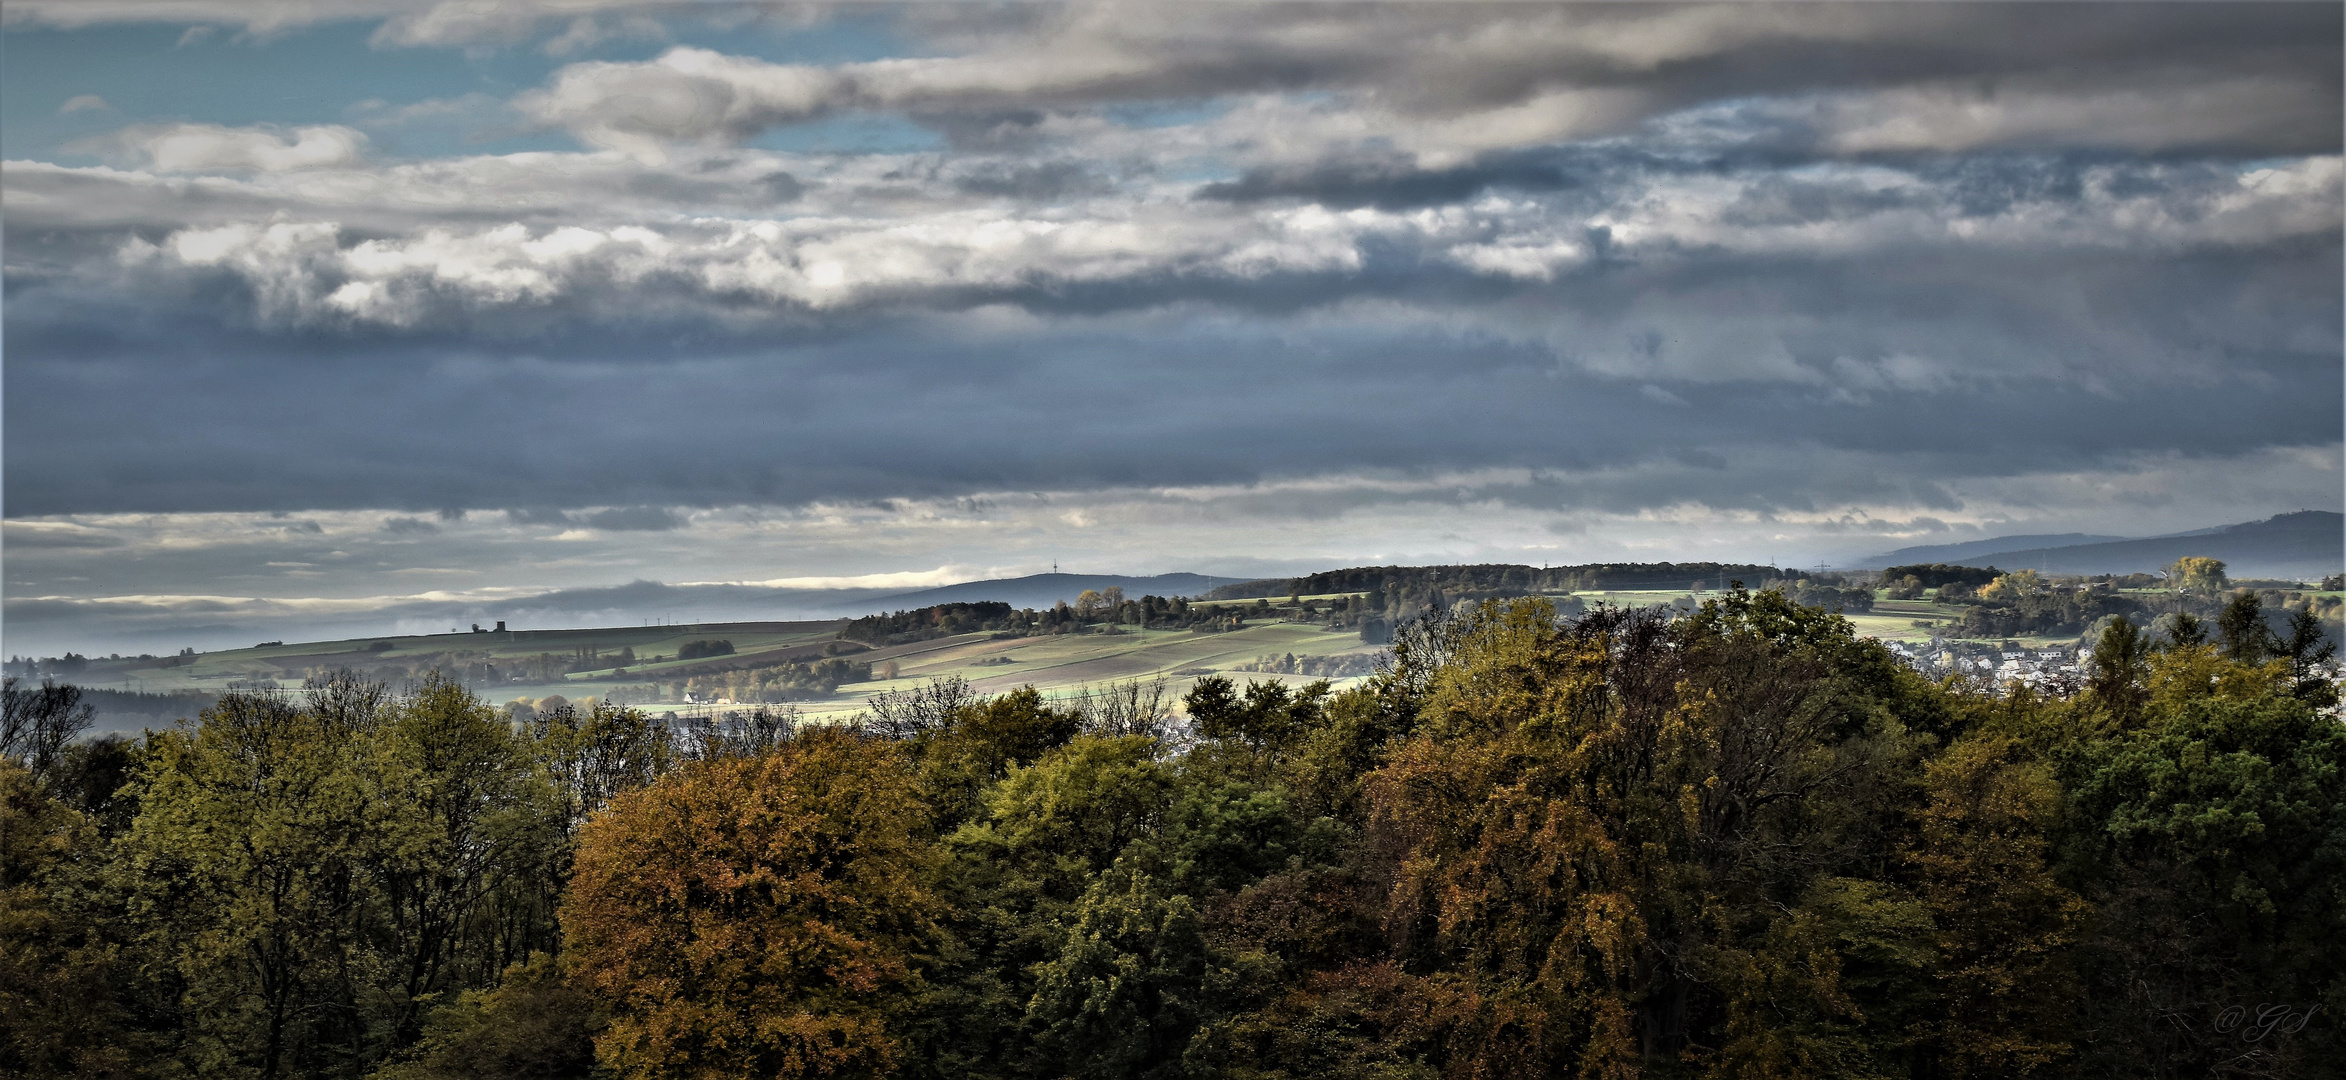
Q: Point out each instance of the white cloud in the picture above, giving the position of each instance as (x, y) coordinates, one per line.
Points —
(202, 148)
(959, 252)
(84, 103)
(404, 22)
(896, 579)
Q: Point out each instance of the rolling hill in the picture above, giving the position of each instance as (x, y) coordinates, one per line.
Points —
(1043, 590)
(2306, 544)
(1978, 549)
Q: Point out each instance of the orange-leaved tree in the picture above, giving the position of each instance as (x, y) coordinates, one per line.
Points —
(1614, 841)
(756, 916)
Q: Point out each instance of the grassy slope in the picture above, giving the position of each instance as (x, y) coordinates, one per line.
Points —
(1061, 665)
(1058, 665)
(215, 670)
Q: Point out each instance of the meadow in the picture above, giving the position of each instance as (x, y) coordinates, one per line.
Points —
(1058, 665)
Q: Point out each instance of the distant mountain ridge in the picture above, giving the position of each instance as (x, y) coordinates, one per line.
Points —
(1044, 590)
(1978, 549)
(2306, 544)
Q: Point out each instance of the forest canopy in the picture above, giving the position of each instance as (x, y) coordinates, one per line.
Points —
(1736, 842)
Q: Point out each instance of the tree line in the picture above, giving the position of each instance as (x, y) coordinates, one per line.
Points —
(1093, 611)
(1492, 580)
(1738, 842)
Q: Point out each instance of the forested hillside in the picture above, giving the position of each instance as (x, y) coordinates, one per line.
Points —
(1737, 842)
(1505, 578)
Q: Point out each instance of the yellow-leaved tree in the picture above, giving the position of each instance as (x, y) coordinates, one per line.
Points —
(756, 916)
(2197, 572)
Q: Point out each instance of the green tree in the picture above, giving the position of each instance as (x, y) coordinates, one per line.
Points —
(463, 825)
(535, 1025)
(1015, 874)
(2241, 631)
(2309, 649)
(2118, 680)
(61, 976)
(2213, 842)
(1602, 834)
(248, 858)
(1126, 990)
(1267, 718)
(978, 743)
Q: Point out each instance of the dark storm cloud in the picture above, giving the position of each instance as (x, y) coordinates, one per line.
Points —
(1748, 258)
(1965, 362)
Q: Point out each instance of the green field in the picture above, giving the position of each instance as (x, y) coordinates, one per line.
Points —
(1064, 664)
(288, 663)
(1059, 665)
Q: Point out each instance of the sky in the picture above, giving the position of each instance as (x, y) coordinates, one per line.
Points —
(370, 316)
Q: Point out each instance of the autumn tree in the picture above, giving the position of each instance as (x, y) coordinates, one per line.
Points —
(2197, 572)
(1607, 835)
(2000, 923)
(756, 916)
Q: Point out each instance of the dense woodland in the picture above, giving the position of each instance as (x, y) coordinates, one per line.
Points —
(1092, 612)
(1489, 580)
(1738, 842)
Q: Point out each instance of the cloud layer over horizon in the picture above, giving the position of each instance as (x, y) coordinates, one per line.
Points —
(567, 295)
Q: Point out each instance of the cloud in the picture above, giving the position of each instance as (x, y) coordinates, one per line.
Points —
(631, 519)
(2275, 112)
(958, 257)
(84, 103)
(893, 580)
(401, 22)
(194, 148)
(408, 526)
(57, 534)
(1394, 181)
(1465, 78)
